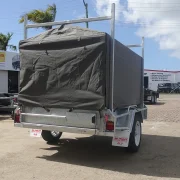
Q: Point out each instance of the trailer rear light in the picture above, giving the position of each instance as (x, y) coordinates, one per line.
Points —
(106, 117)
(15, 100)
(17, 116)
(110, 126)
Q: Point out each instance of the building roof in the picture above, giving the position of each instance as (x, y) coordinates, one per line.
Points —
(161, 71)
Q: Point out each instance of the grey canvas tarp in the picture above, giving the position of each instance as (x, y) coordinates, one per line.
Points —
(128, 77)
(69, 67)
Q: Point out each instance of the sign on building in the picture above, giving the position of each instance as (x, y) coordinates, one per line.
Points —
(2, 58)
(9, 61)
(157, 77)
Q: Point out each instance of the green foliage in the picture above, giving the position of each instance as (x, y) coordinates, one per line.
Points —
(41, 16)
(4, 42)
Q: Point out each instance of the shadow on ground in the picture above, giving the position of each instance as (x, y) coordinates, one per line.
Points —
(159, 155)
(5, 116)
(157, 104)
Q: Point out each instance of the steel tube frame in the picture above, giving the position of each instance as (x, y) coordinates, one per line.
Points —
(25, 26)
(142, 94)
(142, 81)
(76, 21)
(112, 56)
(64, 129)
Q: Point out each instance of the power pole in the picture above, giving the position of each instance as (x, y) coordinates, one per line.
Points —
(86, 8)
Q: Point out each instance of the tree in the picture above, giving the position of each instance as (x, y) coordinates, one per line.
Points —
(4, 42)
(41, 16)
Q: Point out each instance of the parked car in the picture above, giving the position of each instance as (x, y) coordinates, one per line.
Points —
(4, 102)
(169, 87)
(8, 102)
(178, 87)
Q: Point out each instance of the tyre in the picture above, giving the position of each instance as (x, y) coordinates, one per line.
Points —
(135, 136)
(155, 99)
(152, 99)
(51, 136)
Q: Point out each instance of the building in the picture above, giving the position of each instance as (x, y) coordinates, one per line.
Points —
(9, 72)
(159, 77)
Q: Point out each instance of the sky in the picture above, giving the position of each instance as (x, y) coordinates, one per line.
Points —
(156, 20)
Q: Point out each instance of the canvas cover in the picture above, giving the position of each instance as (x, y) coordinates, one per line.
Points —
(127, 77)
(70, 67)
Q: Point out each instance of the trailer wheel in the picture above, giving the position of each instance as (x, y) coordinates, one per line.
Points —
(135, 136)
(152, 99)
(155, 99)
(51, 136)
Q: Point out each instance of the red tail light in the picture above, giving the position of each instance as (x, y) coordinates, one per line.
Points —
(15, 100)
(110, 126)
(17, 116)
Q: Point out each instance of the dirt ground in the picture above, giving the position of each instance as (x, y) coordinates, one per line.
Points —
(79, 157)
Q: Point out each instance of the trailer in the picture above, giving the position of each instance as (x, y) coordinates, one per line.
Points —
(78, 80)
